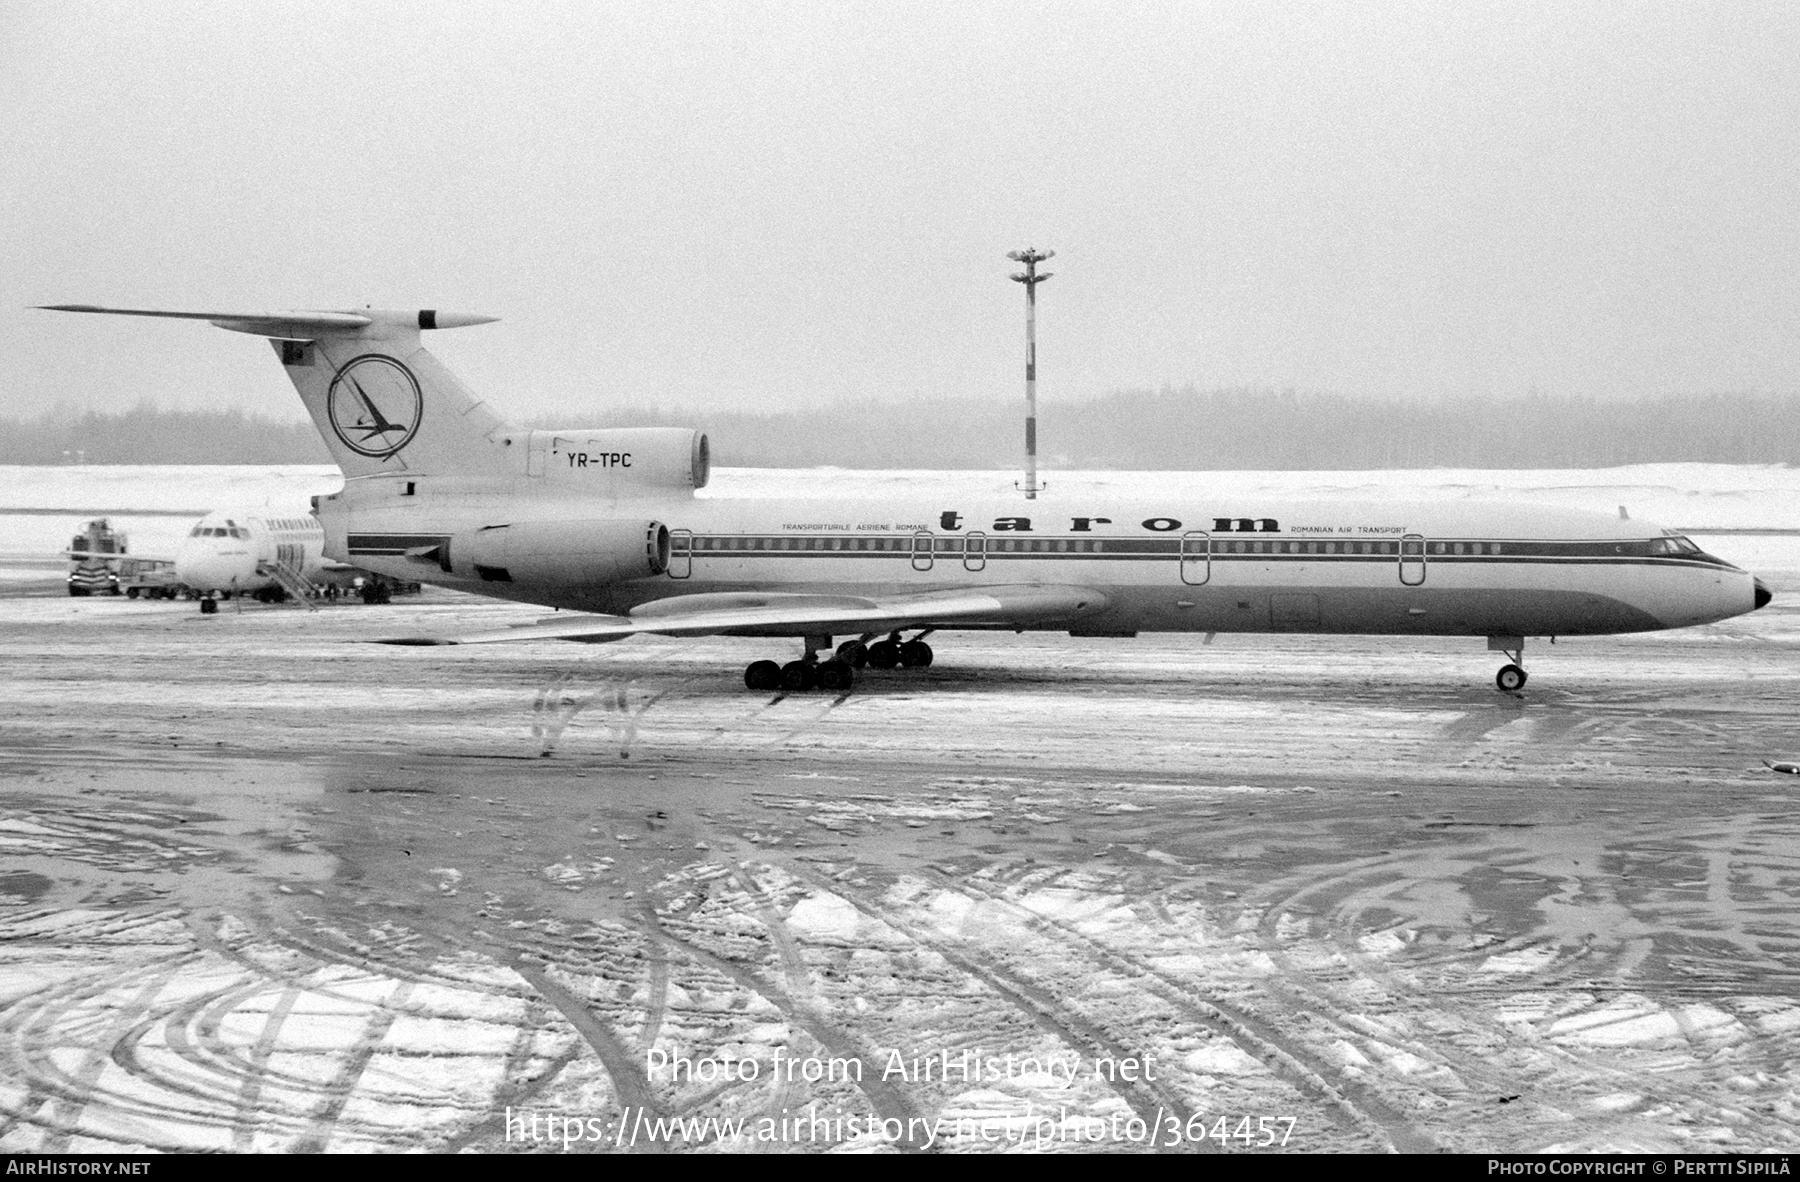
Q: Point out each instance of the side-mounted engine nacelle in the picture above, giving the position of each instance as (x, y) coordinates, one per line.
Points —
(574, 553)
(621, 461)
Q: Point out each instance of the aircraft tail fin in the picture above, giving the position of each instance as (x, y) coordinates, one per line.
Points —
(381, 402)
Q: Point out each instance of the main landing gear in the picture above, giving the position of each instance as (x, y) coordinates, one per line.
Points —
(913, 654)
(1512, 677)
(838, 672)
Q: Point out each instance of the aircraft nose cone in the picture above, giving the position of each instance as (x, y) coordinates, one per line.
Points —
(208, 570)
(1763, 594)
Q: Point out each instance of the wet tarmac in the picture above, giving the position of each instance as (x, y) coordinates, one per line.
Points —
(266, 887)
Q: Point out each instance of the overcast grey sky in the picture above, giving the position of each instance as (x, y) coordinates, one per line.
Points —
(744, 204)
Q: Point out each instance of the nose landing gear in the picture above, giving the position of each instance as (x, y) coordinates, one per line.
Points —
(1512, 676)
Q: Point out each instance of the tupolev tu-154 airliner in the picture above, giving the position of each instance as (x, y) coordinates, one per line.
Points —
(605, 524)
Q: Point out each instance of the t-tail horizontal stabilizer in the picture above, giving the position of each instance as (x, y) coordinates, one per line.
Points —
(298, 326)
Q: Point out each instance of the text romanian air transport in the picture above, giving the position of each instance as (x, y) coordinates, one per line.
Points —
(606, 523)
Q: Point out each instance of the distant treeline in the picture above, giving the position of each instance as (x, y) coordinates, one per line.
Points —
(147, 434)
(1185, 429)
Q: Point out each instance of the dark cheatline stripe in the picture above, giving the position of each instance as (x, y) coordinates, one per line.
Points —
(943, 548)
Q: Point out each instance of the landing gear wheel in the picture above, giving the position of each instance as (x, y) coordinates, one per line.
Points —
(1510, 678)
(884, 654)
(762, 675)
(915, 654)
(853, 653)
(208, 606)
(837, 675)
(799, 675)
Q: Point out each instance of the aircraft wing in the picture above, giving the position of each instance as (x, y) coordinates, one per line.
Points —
(755, 614)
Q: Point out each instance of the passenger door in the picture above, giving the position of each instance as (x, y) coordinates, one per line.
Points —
(1196, 557)
(1412, 559)
(975, 551)
(921, 550)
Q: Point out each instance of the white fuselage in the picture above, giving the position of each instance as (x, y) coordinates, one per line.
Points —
(236, 552)
(1230, 565)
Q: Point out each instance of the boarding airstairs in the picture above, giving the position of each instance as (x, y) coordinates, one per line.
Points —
(291, 581)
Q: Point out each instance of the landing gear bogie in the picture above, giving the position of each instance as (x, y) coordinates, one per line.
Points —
(800, 675)
(836, 670)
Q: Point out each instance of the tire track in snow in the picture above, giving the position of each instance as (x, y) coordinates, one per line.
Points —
(888, 1101)
(631, 1084)
(249, 1113)
(1354, 1103)
(1574, 1070)
(815, 720)
(75, 1092)
(338, 1091)
(1043, 1008)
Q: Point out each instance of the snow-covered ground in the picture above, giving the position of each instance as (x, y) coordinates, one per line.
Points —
(264, 887)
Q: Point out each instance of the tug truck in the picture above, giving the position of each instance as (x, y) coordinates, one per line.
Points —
(96, 553)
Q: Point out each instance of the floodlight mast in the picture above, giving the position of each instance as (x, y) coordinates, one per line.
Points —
(1031, 257)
